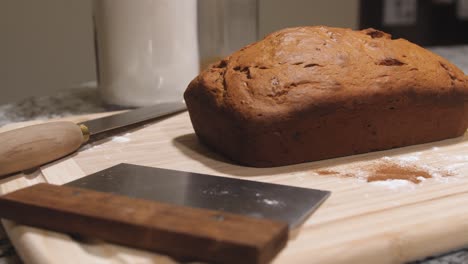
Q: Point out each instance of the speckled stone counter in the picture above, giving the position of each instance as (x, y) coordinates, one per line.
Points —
(84, 99)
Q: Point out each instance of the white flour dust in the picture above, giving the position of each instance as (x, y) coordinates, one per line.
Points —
(394, 184)
(403, 172)
(120, 139)
(271, 202)
(409, 158)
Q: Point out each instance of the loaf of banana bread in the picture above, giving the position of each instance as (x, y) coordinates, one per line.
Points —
(312, 93)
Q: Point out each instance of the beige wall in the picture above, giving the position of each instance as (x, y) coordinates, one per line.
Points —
(46, 45)
(277, 14)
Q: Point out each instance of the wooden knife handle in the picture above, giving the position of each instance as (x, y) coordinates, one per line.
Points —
(32, 146)
(183, 232)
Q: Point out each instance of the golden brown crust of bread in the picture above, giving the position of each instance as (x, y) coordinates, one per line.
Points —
(311, 93)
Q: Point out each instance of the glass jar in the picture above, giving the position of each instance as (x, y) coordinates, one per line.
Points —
(225, 26)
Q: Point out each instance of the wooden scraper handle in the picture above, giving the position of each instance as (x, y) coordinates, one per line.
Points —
(183, 232)
(32, 146)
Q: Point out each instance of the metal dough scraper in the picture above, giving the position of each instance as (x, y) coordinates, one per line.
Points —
(182, 214)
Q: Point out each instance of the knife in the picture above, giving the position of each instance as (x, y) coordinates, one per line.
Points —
(35, 145)
(182, 214)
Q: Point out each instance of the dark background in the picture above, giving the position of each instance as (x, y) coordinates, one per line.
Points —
(436, 22)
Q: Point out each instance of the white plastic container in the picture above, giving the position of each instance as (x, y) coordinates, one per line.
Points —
(147, 50)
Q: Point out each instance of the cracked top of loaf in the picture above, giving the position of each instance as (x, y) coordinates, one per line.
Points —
(308, 67)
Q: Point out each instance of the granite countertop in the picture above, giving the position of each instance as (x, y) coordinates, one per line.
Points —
(84, 99)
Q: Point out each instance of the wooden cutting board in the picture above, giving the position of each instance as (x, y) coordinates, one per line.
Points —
(378, 222)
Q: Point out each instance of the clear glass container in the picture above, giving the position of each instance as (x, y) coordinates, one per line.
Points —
(225, 26)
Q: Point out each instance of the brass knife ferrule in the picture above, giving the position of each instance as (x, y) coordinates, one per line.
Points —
(85, 132)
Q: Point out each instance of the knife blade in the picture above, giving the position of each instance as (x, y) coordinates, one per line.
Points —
(289, 204)
(35, 145)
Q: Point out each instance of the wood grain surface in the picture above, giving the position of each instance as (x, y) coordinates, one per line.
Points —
(362, 222)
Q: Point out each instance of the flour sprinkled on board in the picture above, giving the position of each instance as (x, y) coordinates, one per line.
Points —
(394, 184)
(120, 139)
(420, 178)
(270, 202)
(460, 157)
(409, 158)
(394, 173)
